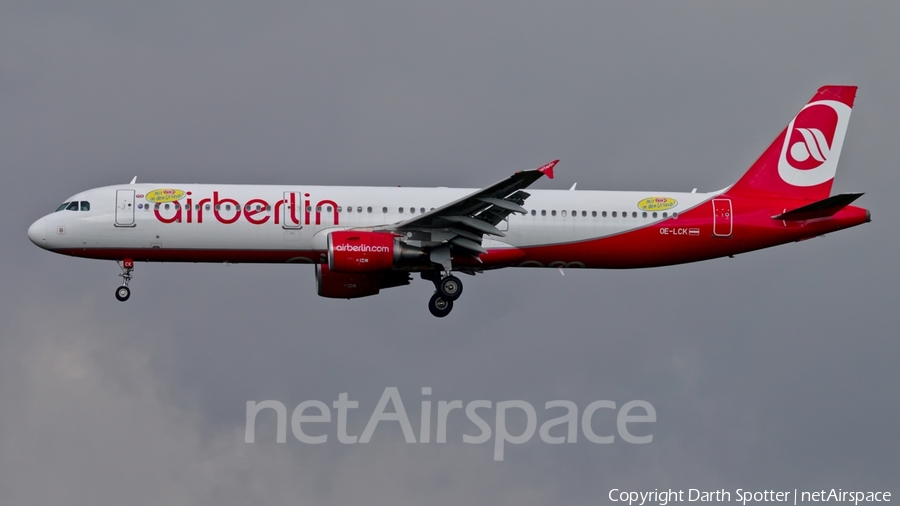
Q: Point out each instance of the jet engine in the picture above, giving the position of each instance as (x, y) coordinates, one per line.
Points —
(353, 251)
(340, 285)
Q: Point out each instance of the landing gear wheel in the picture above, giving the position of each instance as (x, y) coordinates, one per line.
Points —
(439, 306)
(122, 293)
(450, 288)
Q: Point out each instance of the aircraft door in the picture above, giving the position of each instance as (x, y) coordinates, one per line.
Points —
(292, 211)
(722, 217)
(125, 208)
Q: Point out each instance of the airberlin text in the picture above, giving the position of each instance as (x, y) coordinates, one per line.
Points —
(295, 209)
(601, 421)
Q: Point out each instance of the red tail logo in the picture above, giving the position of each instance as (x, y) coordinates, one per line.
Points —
(811, 137)
(802, 161)
(813, 142)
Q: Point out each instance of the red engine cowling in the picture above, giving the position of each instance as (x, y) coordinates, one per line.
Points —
(338, 285)
(358, 251)
(342, 285)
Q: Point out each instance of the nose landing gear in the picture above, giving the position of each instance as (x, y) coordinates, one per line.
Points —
(123, 292)
(446, 290)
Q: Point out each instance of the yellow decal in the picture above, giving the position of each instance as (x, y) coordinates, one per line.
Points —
(165, 195)
(657, 204)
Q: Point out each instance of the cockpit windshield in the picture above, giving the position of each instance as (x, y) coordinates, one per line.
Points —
(84, 205)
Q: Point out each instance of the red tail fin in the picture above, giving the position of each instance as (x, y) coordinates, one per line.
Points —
(802, 160)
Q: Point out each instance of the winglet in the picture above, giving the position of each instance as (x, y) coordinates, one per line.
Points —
(547, 170)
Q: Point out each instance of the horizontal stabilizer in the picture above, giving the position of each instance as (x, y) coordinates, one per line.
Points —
(821, 209)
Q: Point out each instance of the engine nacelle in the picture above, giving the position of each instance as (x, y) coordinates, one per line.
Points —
(338, 285)
(352, 251)
(342, 285)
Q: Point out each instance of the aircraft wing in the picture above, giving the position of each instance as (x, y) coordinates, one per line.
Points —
(464, 222)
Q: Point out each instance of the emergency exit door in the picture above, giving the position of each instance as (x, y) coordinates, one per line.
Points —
(722, 217)
(124, 208)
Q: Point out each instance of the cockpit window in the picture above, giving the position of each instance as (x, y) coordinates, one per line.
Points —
(73, 206)
(62, 206)
(85, 205)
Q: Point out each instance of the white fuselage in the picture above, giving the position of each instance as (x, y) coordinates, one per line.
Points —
(297, 219)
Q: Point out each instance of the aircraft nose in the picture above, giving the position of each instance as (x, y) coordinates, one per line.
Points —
(37, 232)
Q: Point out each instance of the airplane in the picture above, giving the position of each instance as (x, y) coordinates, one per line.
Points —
(362, 240)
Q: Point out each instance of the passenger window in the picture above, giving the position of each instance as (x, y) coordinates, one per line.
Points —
(654, 215)
(613, 214)
(594, 214)
(665, 215)
(543, 212)
(564, 213)
(584, 213)
(369, 209)
(412, 210)
(553, 212)
(85, 205)
(349, 209)
(62, 206)
(73, 206)
(401, 210)
(574, 213)
(675, 215)
(318, 209)
(634, 214)
(308, 208)
(645, 214)
(384, 209)
(327, 209)
(533, 212)
(422, 210)
(207, 207)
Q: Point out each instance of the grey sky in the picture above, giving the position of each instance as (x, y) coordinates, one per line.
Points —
(776, 369)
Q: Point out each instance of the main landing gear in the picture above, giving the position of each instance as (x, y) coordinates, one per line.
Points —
(123, 292)
(446, 290)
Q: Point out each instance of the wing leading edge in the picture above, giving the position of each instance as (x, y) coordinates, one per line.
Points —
(463, 223)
